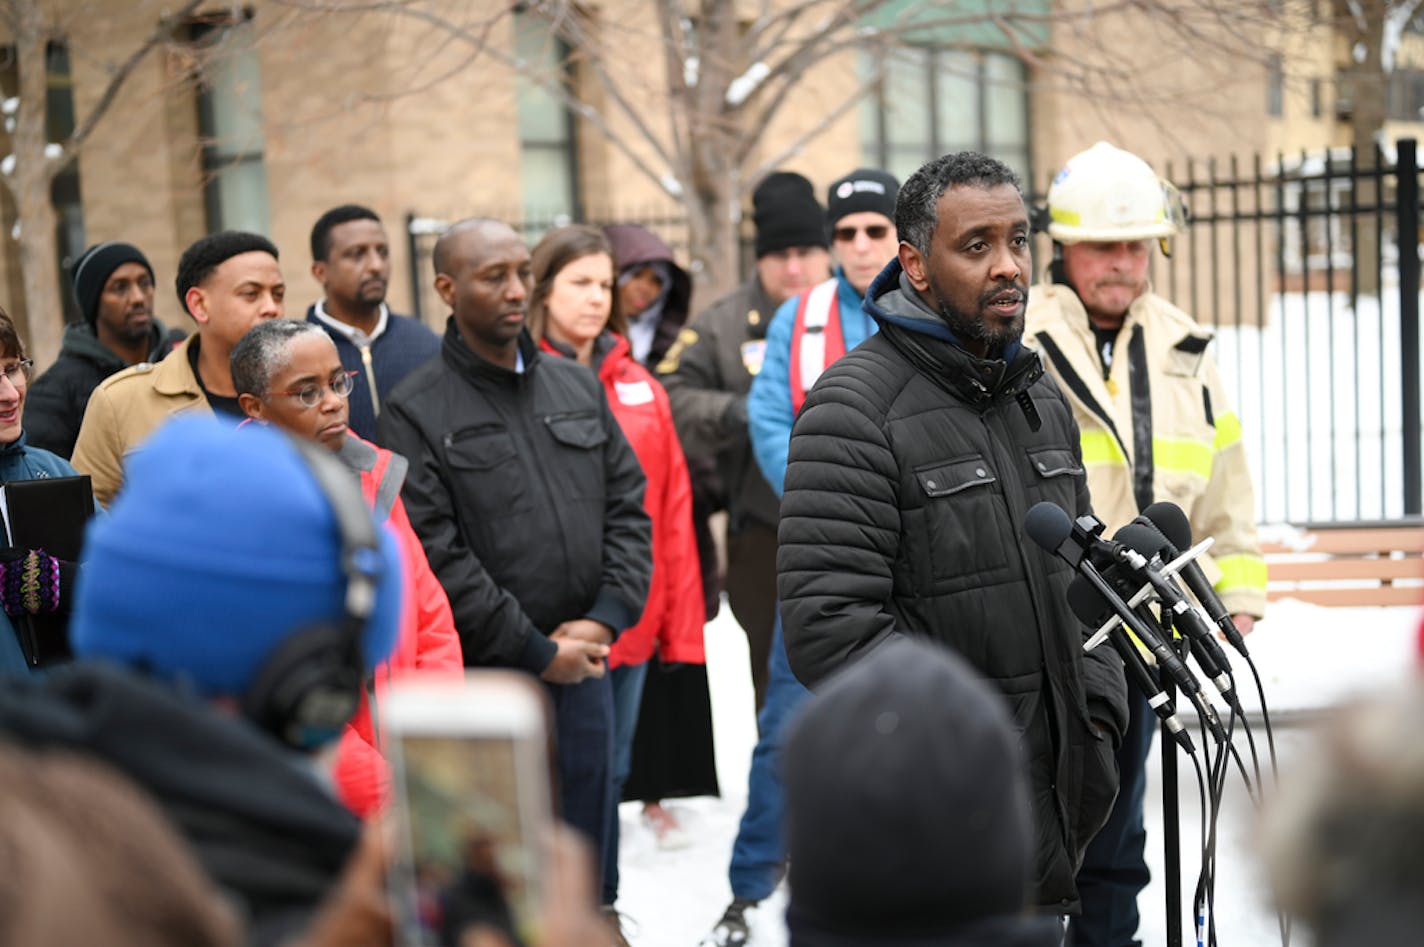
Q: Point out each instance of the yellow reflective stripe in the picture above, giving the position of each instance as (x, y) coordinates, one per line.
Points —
(1242, 570)
(1228, 430)
(1061, 216)
(1180, 455)
(1100, 447)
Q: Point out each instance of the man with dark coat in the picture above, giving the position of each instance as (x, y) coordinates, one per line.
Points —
(113, 284)
(351, 259)
(529, 503)
(707, 374)
(911, 467)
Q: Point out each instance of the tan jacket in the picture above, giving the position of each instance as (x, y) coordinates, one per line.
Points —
(1197, 459)
(126, 408)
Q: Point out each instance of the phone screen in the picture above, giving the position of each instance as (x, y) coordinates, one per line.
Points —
(472, 808)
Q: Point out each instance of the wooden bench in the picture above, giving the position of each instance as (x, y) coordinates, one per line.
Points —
(1348, 565)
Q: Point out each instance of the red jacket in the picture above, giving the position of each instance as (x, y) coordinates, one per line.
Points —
(427, 642)
(673, 617)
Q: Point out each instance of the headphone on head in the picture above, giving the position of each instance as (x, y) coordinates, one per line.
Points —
(310, 686)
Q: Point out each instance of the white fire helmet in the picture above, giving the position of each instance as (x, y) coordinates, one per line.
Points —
(1105, 194)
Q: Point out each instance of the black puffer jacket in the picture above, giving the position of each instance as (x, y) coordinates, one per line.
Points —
(911, 467)
(55, 405)
(526, 496)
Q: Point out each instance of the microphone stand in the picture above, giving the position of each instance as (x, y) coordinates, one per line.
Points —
(1171, 812)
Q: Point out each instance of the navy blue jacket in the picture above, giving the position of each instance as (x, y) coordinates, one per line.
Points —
(402, 348)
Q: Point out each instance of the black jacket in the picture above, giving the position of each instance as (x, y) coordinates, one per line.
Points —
(262, 825)
(54, 407)
(707, 379)
(526, 496)
(911, 467)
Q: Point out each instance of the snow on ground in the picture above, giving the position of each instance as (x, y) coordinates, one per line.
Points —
(1309, 658)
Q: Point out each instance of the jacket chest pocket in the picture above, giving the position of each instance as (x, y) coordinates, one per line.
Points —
(964, 521)
(485, 466)
(1055, 477)
(579, 439)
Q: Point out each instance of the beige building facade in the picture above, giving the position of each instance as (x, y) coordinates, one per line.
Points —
(265, 116)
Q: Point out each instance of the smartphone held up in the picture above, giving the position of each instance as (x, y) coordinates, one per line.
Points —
(470, 766)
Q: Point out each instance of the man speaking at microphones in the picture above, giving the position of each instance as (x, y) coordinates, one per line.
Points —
(1156, 426)
(912, 465)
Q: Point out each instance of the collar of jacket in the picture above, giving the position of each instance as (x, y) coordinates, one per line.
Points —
(14, 448)
(1074, 316)
(758, 301)
(364, 458)
(173, 375)
(464, 361)
(80, 341)
(608, 349)
(935, 350)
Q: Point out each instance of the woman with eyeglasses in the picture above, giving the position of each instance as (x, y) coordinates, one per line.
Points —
(574, 312)
(289, 374)
(47, 577)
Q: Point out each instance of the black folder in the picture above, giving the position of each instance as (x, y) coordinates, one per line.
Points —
(48, 514)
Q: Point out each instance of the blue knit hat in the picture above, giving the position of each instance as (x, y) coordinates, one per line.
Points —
(220, 546)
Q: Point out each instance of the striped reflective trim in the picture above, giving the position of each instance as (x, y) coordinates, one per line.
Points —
(1061, 216)
(1181, 455)
(1228, 431)
(1101, 447)
(1243, 570)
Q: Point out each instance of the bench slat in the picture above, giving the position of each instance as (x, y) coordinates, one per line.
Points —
(1286, 570)
(1357, 541)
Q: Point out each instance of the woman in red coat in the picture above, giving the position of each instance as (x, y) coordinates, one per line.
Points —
(272, 365)
(573, 311)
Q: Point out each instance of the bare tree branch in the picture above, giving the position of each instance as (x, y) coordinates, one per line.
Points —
(810, 135)
(116, 82)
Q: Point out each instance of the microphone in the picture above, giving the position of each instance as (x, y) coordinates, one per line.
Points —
(1091, 610)
(1148, 541)
(1049, 526)
(1172, 523)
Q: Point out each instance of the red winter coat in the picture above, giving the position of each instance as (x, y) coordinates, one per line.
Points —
(427, 642)
(673, 617)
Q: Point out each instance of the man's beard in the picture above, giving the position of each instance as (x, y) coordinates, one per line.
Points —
(968, 329)
(131, 334)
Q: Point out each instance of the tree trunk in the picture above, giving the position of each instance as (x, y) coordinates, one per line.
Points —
(713, 244)
(711, 192)
(30, 185)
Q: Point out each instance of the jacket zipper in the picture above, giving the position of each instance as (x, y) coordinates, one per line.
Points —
(1057, 719)
(370, 378)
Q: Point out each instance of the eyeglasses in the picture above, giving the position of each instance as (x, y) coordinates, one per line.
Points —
(310, 395)
(847, 234)
(19, 372)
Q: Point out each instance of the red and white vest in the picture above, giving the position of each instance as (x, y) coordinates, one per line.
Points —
(816, 339)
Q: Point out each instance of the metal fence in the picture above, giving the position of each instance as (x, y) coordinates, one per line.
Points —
(1308, 269)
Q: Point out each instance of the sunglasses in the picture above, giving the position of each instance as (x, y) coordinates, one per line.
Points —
(847, 234)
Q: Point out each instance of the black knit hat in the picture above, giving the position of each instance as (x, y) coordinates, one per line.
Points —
(787, 214)
(907, 807)
(861, 190)
(92, 269)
